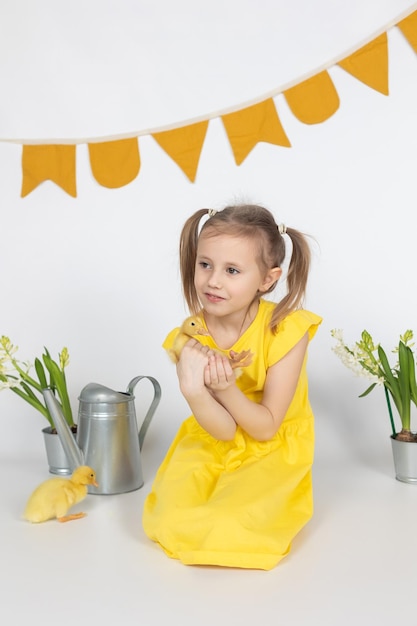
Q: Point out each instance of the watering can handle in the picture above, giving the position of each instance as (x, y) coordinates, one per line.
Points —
(152, 408)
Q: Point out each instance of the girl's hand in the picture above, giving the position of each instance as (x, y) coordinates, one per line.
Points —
(191, 366)
(218, 373)
(193, 371)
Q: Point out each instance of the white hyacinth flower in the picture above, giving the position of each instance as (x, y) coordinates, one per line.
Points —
(355, 358)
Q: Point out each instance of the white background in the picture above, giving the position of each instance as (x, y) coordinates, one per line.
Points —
(99, 274)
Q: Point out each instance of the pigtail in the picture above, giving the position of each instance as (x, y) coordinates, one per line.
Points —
(297, 276)
(188, 255)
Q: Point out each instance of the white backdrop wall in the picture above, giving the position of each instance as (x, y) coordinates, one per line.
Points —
(99, 273)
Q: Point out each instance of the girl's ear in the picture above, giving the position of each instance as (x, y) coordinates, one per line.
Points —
(273, 275)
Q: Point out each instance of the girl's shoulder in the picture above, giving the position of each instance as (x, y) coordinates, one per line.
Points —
(289, 332)
(299, 319)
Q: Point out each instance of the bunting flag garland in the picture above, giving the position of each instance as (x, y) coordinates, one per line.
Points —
(50, 162)
(370, 64)
(314, 100)
(116, 162)
(249, 126)
(408, 27)
(184, 146)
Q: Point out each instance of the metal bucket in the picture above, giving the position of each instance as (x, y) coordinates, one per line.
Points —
(405, 460)
(56, 457)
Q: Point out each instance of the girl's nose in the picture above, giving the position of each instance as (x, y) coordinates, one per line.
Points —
(214, 280)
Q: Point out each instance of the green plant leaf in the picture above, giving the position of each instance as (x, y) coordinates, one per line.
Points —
(51, 383)
(28, 379)
(365, 393)
(34, 402)
(41, 373)
(404, 385)
(29, 391)
(59, 383)
(390, 381)
(412, 374)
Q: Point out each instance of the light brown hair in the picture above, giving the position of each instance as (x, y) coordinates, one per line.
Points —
(258, 224)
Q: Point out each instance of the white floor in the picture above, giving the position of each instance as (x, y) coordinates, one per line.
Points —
(356, 562)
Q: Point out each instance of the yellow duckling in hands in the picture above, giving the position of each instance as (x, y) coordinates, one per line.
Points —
(55, 496)
(191, 328)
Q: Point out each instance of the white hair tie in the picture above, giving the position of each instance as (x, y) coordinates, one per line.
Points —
(282, 229)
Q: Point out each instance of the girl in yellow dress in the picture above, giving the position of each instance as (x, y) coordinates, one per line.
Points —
(235, 486)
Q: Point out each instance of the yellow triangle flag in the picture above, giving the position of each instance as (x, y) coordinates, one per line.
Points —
(249, 126)
(314, 100)
(48, 162)
(370, 64)
(408, 27)
(184, 146)
(115, 163)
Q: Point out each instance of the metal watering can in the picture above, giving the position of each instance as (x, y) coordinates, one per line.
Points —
(107, 434)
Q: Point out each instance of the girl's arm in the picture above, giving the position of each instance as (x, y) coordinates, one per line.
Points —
(260, 421)
(209, 413)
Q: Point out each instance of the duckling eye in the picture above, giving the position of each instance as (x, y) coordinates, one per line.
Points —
(192, 323)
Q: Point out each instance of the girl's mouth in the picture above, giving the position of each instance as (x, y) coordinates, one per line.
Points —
(212, 298)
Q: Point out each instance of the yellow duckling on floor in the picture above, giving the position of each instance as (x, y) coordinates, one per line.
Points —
(191, 328)
(54, 497)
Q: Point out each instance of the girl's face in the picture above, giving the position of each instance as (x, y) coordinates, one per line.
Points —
(227, 275)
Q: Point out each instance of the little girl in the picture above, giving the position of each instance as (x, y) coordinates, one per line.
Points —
(235, 486)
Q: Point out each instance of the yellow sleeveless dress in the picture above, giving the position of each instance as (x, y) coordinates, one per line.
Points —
(239, 503)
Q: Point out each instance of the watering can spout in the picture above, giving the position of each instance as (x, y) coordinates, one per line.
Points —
(74, 453)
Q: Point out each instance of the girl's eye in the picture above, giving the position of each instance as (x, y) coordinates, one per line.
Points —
(203, 264)
(232, 270)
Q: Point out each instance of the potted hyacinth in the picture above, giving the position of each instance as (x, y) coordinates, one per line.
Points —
(366, 358)
(16, 375)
